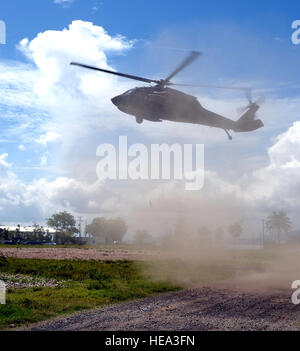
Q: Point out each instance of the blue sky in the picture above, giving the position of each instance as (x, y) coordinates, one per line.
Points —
(147, 18)
(48, 139)
(229, 32)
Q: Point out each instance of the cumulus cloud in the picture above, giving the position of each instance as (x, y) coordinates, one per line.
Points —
(49, 137)
(250, 198)
(274, 186)
(21, 202)
(59, 85)
(77, 100)
(278, 184)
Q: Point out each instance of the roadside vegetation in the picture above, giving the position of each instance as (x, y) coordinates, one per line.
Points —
(86, 284)
(43, 288)
(60, 287)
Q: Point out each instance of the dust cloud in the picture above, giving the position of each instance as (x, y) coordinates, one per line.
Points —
(196, 247)
(204, 262)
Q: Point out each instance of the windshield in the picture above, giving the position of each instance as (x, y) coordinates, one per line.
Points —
(128, 92)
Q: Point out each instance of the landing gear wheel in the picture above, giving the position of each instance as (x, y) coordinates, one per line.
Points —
(229, 136)
(139, 120)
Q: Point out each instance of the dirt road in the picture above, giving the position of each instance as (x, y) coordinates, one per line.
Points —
(78, 254)
(195, 309)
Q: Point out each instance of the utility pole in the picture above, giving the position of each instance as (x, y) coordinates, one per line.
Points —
(79, 221)
(263, 233)
(85, 234)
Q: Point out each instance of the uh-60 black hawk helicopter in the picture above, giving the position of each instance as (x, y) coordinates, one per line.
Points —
(159, 102)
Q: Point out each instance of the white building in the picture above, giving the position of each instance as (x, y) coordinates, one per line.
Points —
(26, 230)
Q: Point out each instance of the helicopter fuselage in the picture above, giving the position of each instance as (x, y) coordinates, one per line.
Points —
(157, 104)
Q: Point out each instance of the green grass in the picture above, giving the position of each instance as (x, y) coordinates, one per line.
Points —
(98, 283)
(92, 284)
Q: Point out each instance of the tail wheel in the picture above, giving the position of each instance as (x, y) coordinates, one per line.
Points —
(139, 120)
(229, 136)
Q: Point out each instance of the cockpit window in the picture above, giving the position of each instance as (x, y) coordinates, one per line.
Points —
(128, 92)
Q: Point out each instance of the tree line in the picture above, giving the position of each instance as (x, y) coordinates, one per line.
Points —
(278, 224)
(101, 230)
(38, 233)
(112, 230)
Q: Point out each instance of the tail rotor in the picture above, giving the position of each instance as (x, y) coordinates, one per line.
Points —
(251, 103)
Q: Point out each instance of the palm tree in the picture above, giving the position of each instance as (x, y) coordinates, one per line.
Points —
(278, 222)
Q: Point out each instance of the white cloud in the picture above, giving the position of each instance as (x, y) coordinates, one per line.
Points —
(44, 159)
(77, 100)
(278, 184)
(251, 197)
(49, 101)
(49, 137)
(4, 166)
(63, 2)
(15, 78)
(21, 202)
(274, 186)
(20, 109)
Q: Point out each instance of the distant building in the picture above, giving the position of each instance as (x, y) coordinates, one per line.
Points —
(26, 230)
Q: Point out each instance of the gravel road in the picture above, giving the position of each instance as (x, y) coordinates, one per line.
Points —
(195, 309)
(79, 254)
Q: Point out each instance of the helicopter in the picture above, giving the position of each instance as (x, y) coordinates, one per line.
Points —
(160, 102)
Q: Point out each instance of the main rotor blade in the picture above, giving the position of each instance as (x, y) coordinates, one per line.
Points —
(192, 57)
(141, 79)
(211, 86)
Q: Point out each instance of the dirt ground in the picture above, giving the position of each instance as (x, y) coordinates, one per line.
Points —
(79, 254)
(188, 310)
(257, 299)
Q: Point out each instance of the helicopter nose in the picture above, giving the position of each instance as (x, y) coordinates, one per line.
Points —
(116, 100)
